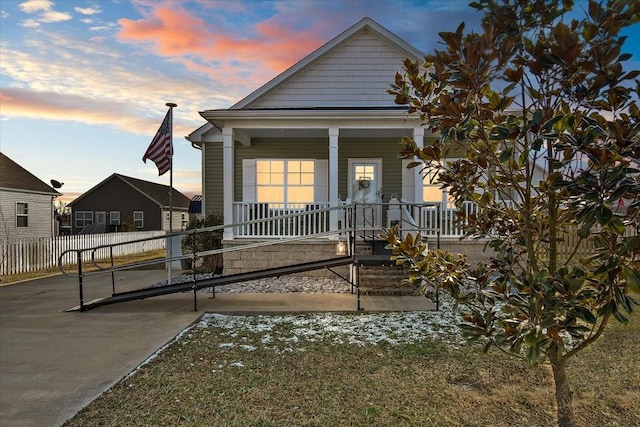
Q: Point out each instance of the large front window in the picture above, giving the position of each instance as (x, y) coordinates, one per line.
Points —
(285, 181)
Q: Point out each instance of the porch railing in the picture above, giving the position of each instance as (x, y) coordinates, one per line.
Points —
(277, 220)
(280, 220)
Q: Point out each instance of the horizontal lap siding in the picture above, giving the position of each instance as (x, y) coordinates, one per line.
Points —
(357, 73)
(386, 148)
(213, 177)
(39, 220)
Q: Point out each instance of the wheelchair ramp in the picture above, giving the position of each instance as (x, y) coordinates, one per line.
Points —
(193, 286)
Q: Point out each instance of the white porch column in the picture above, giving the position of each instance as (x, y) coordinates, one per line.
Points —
(418, 137)
(333, 176)
(227, 179)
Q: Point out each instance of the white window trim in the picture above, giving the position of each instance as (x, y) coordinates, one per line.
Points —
(84, 218)
(114, 218)
(22, 215)
(320, 178)
(135, 221)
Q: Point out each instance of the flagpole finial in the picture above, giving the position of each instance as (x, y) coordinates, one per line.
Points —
(171, 104)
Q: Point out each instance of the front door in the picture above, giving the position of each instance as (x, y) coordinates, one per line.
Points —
(365, 189)
(101, 219)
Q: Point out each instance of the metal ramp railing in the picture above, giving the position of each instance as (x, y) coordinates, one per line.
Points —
(347, 230)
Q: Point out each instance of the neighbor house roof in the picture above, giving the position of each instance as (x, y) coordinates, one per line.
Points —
(15, 177)
(159, 193)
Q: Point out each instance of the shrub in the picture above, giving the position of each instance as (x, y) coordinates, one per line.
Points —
(202, 241)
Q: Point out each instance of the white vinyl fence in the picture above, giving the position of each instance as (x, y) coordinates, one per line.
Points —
(25, 255)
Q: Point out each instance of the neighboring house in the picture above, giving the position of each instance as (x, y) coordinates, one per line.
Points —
(119, 199)
(322, 133)
(26, 203)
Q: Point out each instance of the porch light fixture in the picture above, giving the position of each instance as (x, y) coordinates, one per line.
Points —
(341, 247)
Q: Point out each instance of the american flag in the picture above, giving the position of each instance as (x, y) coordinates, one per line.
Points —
(160, 150)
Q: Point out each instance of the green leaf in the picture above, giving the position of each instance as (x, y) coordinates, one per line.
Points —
(549, 123)
(506, 154)
(632, 277)
(617, 225)
(603, 215)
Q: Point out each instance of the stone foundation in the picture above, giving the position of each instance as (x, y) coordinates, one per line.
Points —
(279, 255)
(292, 253)
(474, 249)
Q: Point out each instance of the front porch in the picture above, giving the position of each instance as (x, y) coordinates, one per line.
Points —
(311, 225)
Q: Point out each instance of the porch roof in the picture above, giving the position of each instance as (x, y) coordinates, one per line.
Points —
(307, 122)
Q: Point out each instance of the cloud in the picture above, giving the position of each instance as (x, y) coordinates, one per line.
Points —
(30, 23)
(32, 6)
(44, 9)
(173, 31)
(88, 10)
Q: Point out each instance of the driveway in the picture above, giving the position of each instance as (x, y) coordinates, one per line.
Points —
(54, 362)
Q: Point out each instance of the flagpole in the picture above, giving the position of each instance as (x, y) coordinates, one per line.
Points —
(171, 106)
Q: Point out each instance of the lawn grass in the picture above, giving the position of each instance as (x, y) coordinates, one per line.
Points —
(311, 370)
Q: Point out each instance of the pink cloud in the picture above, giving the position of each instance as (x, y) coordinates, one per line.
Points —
(55, 106)
(174, 31)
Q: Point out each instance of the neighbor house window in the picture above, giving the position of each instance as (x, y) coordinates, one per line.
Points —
(22, 214)
(138, 219)
(114, 218)
(285, 181)
(84, 218)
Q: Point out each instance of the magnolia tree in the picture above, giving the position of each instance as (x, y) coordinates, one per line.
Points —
(545, 116)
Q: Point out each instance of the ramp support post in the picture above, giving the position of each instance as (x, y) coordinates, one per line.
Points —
(195, 298)
(80, 280)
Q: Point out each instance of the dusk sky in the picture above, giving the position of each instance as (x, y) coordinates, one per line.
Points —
(83, 84)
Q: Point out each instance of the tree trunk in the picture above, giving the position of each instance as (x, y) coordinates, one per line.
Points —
(564, 395)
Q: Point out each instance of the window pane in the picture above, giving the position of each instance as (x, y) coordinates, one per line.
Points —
(277, 178)
(294, 166)
(307, 179)
(277, 166)
(22, 221)
(307, 166)
(300, 195)
(22, 208)
(293, 178)
(270, 194)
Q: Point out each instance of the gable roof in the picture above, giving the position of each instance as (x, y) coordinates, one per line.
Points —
(159, 193)
(15, 177)
(372, 42)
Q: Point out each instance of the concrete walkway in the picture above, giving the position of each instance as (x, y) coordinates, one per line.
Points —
(54, 362)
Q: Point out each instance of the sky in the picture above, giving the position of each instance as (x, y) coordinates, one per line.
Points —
(83, 84)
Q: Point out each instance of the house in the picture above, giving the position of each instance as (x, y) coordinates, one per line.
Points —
(119, 199)
(322, 134)
(26, 203)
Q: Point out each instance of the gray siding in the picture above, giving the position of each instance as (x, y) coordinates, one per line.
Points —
(357, 73)
(40, 215)
(213, 176)
(387, 149)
